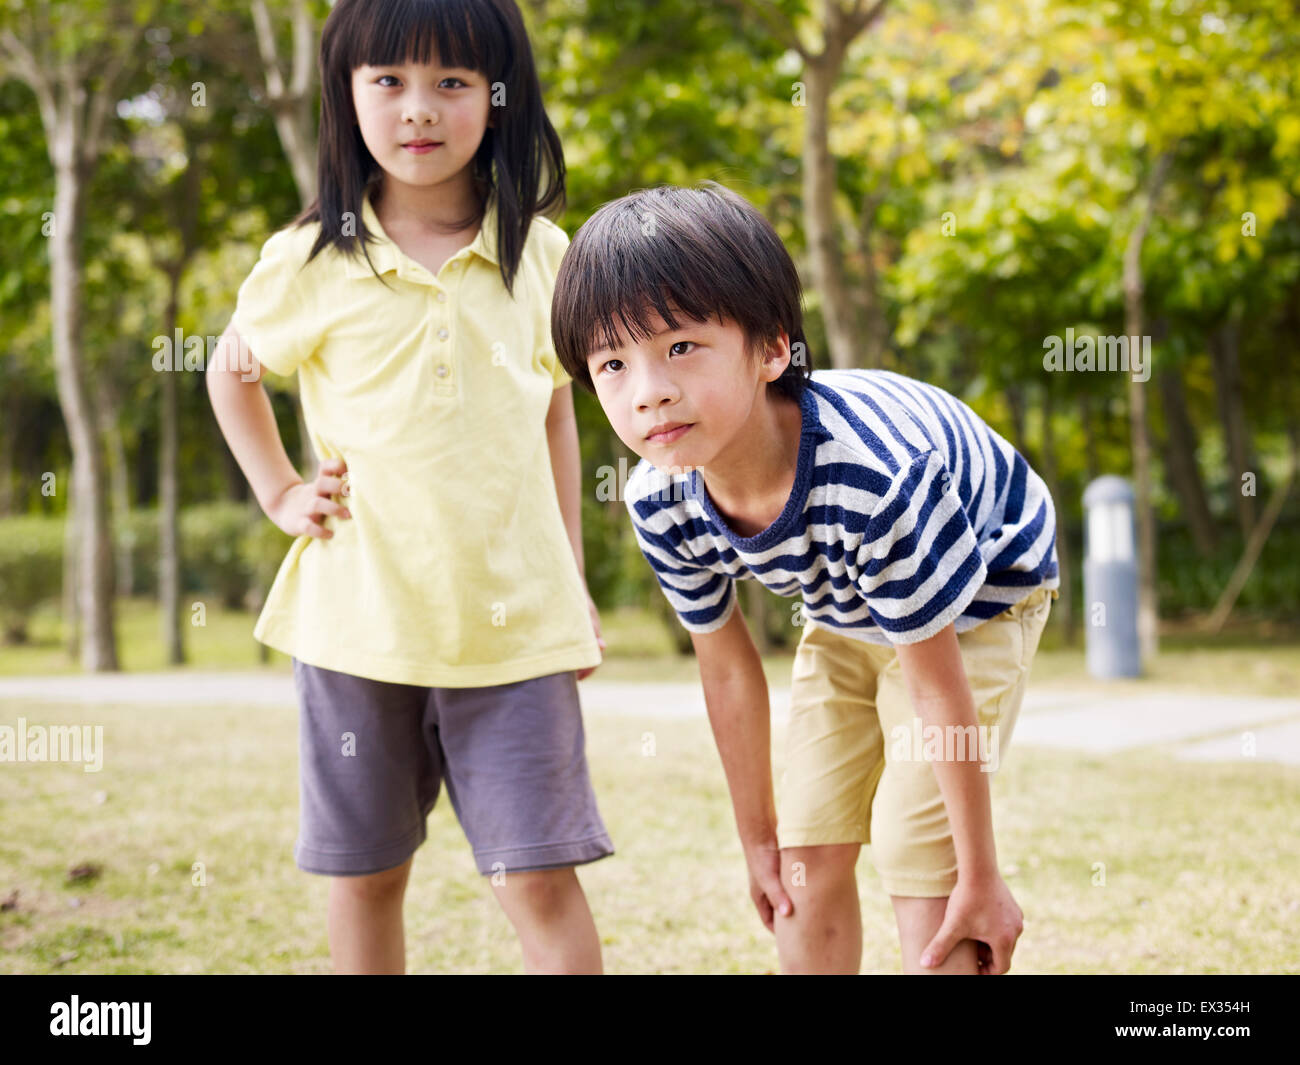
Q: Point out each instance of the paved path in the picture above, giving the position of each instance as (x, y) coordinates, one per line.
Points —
(1198, 727)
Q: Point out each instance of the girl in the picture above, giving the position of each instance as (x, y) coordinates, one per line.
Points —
(433, 601)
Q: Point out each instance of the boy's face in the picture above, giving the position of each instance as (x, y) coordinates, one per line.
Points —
(682, 398)
(395, 105)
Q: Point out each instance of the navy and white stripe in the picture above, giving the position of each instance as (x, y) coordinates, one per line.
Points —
(908, 512)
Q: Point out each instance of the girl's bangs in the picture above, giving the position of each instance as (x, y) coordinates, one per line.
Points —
(451, 33)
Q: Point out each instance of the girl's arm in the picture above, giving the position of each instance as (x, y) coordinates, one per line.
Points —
(243, 411)
(566, 466)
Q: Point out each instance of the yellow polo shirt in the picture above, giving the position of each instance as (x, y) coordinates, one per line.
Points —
(455, 569)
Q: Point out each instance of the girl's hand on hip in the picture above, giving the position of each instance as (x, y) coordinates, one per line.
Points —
(299, 506)
(595, 624)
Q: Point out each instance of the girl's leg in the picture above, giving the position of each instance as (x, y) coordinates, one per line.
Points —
(365, 922)
(824, 934)
(918, 921)
(552, 919)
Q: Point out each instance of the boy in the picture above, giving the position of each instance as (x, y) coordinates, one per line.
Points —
(921, 542)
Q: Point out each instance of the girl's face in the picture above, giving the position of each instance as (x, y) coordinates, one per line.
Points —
(447, 107)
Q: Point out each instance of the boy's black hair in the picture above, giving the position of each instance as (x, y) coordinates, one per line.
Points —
(517, 151)
(706, 251)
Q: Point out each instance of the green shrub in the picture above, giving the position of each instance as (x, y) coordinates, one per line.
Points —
(214, 552)
(31, 570)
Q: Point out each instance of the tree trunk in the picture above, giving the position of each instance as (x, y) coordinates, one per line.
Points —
(753, 597)
(71, 558)
(107, 406)
(306, 453)
(875, 336)
(1064, 552)
(95, 576)
(1016, 404)
(1255, 544)
(1090, 464)
(820, 226)
(169, 564)
(1226, 363)
(236, 483)
(8, 434)
(1180, 460)
(1134, 326)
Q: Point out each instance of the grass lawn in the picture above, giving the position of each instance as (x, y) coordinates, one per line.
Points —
(1200, 871)
(1129, 863)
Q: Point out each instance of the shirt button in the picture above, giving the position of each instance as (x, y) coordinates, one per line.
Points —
(441, 297)
(441, 371)
(443, 334)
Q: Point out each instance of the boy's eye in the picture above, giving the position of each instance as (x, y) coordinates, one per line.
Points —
(676, 343)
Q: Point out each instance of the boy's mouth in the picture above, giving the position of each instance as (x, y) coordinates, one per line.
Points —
(668, 432)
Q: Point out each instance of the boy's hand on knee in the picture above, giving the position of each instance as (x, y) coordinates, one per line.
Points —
(981, 909)
(764, 861)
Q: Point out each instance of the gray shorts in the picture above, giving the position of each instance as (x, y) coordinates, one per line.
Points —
(372, 755)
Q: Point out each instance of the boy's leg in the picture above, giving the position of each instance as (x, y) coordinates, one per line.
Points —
(912, 840)
(834, 757)
(824, 934)
(918, 921)
(365, 922)
(552, 919)
(516, 772)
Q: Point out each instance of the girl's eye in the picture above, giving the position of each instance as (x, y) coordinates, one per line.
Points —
(690, 342)
(608, 363)
(380, 80)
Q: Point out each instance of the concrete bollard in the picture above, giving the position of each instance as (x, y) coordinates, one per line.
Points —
(1110, 579)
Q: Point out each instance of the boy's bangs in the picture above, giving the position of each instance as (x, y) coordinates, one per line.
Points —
(632, 311)
(450, 33)
(623, 291)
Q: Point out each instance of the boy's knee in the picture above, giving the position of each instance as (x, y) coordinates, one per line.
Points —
(814, 873)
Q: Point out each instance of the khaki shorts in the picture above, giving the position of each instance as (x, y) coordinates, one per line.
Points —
(857, 765)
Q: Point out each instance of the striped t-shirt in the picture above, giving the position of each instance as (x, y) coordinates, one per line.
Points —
(908, 512)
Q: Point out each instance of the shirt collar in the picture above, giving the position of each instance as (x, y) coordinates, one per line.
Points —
(388, 256)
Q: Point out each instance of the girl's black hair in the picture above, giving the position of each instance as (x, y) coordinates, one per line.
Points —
(706, 252)
(518, 150)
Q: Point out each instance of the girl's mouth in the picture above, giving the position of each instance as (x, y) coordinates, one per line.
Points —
(421, 147)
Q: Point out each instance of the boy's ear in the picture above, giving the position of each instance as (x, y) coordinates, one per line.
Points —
(776, 354)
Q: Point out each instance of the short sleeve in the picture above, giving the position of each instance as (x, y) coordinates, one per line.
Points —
(275, 312)
(554, 246)
(920, 564)
(701, 597)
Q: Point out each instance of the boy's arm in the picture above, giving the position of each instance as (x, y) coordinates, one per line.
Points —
(735, 692)
(981, 906)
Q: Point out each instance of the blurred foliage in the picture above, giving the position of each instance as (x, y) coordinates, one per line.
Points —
(987, 160)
